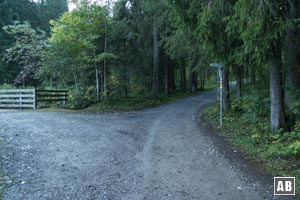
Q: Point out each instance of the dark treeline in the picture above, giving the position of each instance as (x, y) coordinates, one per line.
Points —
(149, 47)
(38, 15)
(132, 48)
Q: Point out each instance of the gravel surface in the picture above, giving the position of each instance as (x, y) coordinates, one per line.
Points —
(155, 154)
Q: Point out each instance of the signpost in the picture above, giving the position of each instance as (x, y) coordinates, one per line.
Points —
(220, 68)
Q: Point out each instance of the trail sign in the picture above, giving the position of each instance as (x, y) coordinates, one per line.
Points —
(220, 68)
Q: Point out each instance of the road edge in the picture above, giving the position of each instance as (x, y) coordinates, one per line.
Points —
(247, 169)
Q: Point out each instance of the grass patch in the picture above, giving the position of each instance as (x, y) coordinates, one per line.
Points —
(277, 153)
(3, 186)
(123, 104)
(137, 103)
(52, 108)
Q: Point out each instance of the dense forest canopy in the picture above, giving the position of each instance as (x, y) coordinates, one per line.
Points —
(37, 15)
(132, 48)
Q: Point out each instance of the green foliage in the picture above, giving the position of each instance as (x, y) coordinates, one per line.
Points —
(27, 50)
(78, 100)
(135, 103)
(7, 86)
(286, 144)
(277, 152)
(37, 14)
(105, 56)
(262, 31)
(294, 98)
(51, 10)
(256, 105)
(91, 46)
(73, 48)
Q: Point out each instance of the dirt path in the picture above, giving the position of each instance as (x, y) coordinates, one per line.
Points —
(155, 154)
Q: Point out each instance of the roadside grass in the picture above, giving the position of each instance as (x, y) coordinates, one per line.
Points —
(277, 153)
(6, 86)
(1, 194)
(2, 186)
(2, 183)
(11, 86)
(137, 103)
(122, 104)
(54, 108)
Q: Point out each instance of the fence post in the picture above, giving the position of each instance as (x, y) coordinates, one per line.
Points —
(34, 98)
(20, 98)
(64, 102)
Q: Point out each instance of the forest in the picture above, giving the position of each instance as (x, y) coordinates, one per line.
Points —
(138, 53)
(133, 48)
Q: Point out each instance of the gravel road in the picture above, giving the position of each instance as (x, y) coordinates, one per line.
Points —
(155, 154)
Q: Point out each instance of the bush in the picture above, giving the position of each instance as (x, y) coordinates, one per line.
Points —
(247, 126)
(256, 104)
(286, 144)
(7, 86)
(78, 100)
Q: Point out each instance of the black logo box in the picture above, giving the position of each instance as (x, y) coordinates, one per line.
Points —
(283, 181)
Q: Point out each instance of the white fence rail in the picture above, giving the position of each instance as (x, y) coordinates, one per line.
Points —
(18, 98)
(29, 98)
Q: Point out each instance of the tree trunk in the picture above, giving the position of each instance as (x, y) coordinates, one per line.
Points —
(182, 76)
(226, 90)
(142, 74)
(193, 76)
(251, 70)
(239, 81)
(277, 110)
(292, 43)
(97, 77)
(252, 75)
(171, 76)
(104, 67)
(203, 78)
(101, 79)
(292, 74)
(155, 83)
(75, 80)
(166, 75)
(193, 81)
(125, 70)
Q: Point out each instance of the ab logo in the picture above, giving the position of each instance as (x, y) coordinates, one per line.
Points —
(284, 185)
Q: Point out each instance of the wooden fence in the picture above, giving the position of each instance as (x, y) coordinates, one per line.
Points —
(52, 96)
(29, 98)
(19, 98)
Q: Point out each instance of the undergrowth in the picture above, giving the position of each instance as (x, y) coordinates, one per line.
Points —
(246, 126)
(117, 103)
(136, 103)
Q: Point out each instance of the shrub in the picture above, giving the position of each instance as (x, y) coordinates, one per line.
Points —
(257, 104)
(7, 86)
(286, 144)
(78, 100)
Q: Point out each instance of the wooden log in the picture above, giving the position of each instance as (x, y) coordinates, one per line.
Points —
(17, 91)
(44, 100)
(16, 100)
(16, 105)
(51, 91)
(51, 95)
(16, 96)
